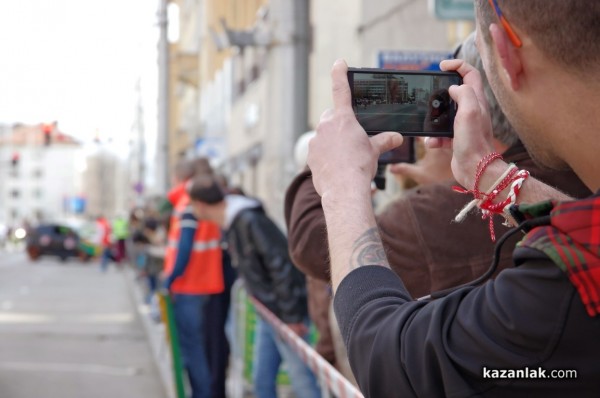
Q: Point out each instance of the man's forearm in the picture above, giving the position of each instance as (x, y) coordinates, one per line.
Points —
(352, 233)
(536, 191)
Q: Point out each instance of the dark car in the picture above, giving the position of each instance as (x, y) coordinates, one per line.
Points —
(54, 240)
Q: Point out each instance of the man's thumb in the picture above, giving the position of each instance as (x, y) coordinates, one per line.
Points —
(386, 141)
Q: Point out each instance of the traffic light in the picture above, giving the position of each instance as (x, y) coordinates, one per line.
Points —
(14, 160)
(47, 130)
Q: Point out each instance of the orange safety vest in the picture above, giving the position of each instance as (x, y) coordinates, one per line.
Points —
(204, 271)
(105, 231)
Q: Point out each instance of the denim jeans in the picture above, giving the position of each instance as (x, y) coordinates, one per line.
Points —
(188, 310)
(269, 351)
(105, 258)
(152, 286)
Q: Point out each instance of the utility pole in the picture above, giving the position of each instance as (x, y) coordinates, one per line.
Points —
(162, 147)
(140, 181)
(288, 57)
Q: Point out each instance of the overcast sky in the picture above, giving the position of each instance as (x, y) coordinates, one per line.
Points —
(77, 62)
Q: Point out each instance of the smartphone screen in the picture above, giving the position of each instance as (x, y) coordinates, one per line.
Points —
(414, 103)
(405, 153)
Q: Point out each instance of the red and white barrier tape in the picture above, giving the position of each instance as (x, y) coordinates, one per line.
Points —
(325, 372)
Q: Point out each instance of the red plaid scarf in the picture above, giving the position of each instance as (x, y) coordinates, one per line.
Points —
(572, 242)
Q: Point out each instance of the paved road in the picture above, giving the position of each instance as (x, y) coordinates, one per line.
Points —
(69, 331)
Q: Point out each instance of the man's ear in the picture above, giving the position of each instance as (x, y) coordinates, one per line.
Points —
(509, 57)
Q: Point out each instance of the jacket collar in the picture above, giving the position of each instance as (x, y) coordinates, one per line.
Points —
(572, 242)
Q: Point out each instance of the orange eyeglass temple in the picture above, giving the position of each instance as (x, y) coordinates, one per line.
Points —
(514, 38)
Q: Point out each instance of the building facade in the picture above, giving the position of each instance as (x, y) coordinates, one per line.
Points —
(255, 75)
(38, 174)
(104, 182)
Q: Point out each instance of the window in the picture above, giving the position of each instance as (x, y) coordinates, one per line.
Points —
(15, 193)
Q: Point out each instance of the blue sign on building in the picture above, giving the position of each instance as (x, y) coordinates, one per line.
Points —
(411, 60)
(74, 204)
(210, 147)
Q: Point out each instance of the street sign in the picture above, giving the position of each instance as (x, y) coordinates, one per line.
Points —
(138, 187)
(411, 60)
(211, 147)
(74, 204)
(452, 9)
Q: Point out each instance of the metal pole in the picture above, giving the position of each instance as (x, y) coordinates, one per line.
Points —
(168, 318)
(162, 153)
(141, 148)
(289, 57)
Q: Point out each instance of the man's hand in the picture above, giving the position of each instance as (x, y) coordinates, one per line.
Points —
(472, 124)
(343, 161)
(165, 285)
(341, 156)
(433, 167)
(473, 138)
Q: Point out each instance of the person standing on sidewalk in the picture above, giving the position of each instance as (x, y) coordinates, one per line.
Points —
(120, 228)
(105, 242)
(259, 250)
(193, 270)
(217, 309)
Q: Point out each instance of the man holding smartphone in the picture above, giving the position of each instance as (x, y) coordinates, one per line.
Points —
(541, 315)
(428, 251)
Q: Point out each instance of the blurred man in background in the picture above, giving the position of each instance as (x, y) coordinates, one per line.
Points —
(259, 251)
(193, 270)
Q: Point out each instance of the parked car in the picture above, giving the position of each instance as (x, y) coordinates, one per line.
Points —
(56, 240)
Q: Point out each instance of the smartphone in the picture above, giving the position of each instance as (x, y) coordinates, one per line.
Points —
(405, 153)
(414, 103)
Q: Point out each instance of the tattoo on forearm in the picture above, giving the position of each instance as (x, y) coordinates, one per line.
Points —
(368, 250)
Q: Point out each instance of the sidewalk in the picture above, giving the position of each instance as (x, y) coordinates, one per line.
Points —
(155, 332)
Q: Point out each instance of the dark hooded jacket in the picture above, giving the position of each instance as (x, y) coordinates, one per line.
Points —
(258, 249)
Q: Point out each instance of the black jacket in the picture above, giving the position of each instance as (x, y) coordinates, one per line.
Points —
(528, 317)
(260, 252)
